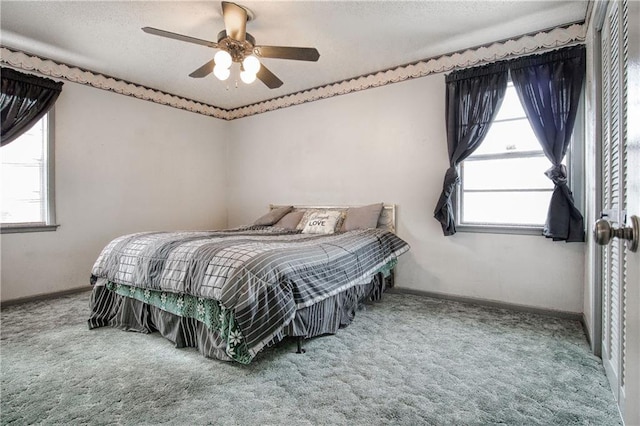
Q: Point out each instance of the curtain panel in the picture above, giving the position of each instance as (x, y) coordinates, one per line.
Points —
(549, 87)
(24, 99)
(473, 99)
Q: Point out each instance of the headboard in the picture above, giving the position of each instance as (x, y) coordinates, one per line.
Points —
(386, 221)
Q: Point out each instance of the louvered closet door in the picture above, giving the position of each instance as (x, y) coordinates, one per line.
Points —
(614, 43)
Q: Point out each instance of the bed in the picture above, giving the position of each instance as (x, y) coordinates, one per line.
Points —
(298, 271)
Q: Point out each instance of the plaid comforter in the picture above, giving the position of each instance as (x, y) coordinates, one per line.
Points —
(263, 275)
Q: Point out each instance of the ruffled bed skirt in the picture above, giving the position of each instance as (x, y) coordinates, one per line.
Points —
(325, 317)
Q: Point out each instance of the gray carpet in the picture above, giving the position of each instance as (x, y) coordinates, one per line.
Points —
(407, 360)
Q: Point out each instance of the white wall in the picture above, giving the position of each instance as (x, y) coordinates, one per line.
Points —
(125, 165)
(122, 165)
(388, 144)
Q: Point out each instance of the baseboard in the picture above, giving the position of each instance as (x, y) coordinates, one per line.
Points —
(576, 316)
(46, 296)
(583, 320)
(463, 299)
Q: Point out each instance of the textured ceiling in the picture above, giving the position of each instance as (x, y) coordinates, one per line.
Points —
(353, 37)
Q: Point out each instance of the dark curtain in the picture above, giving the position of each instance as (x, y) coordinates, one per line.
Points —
(24, 100)
(549, 87)
(473, 99)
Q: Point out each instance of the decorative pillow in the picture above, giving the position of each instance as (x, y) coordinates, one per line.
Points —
(309, 212)
(322, 223)
(290, 220)
(343, 216)
(305, 219)
(362, 217)
(273, 216)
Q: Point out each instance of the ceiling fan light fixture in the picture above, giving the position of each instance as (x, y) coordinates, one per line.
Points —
(235, 44)
(247, 77)
(222, 59)
(251, 64)
(221, 73)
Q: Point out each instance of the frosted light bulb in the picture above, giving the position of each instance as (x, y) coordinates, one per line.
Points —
(222, 59)
(221, 73)
(247, 77)
(251, 64)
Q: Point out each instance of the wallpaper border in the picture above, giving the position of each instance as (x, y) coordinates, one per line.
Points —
(554, 38)
(27, 62)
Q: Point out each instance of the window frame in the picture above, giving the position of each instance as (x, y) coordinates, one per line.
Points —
(49, 188)
(575, 179)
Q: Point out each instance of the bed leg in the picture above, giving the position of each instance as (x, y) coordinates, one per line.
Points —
(299, 342)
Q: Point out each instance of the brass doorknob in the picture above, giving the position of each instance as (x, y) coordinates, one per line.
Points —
(603, 233)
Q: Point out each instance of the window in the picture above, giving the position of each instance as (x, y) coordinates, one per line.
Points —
(27, 180)
(503, 185)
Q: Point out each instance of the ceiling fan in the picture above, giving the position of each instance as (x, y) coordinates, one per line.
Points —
(237, 45)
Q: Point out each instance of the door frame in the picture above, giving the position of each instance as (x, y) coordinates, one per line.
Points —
(593, 181)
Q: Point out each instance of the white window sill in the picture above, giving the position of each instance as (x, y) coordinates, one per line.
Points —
(501, 229)
(27, 227)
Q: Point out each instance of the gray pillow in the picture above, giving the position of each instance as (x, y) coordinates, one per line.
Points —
(362, 217)
(273, 216)
(290, 220)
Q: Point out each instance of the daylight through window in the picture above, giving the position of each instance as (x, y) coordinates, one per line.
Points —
(24, 178)
(503, 181)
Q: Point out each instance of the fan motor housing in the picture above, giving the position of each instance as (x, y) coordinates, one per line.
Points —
(237, 49)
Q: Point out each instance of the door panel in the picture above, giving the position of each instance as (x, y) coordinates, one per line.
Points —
(613, 185)
(620, 181)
